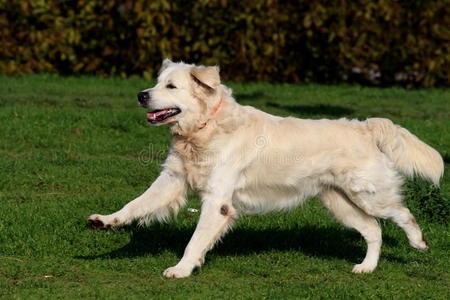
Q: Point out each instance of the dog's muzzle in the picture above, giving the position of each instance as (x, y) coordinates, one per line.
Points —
(143, 98)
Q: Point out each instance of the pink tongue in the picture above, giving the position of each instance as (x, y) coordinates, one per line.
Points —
(154, 115)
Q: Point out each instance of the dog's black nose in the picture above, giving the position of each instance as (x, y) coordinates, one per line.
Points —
(143, 98)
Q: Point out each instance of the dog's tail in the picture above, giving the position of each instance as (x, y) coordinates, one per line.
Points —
(409, 154)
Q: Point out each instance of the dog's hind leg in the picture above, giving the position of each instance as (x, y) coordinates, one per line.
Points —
(215, 219)
(406, 221)
(166, 195)
(351, 216)
(376, 189)
(387, 204)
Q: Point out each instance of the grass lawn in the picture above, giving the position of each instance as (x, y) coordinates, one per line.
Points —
(70, 147)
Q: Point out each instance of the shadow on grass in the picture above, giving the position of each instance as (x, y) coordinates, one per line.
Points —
(249, 96)
(446, 158)
(313, 110)
(329, 243)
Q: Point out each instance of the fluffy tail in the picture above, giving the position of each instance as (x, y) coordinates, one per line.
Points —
(409, 154)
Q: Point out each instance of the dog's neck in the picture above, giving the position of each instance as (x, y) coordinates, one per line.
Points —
(213, 113)
(192, 130)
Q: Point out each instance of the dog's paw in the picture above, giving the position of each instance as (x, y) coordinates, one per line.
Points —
(99, 222)
(363, 268)
(420, 245)
(177, 272)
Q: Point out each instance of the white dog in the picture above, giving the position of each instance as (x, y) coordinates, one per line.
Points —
(242, 160)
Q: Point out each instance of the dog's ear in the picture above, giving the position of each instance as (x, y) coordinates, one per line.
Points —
(165, 64)
(206, 77)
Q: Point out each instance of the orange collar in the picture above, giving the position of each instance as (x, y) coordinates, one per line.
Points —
(213, 113)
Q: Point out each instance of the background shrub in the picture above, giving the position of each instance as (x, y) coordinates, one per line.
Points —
(380, 42)
(427, 201)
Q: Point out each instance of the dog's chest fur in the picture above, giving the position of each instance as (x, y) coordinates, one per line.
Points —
(196, 158)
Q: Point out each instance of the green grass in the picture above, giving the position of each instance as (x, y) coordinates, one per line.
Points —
(70, 147)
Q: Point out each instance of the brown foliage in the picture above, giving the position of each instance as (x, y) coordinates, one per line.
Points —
(379, 42)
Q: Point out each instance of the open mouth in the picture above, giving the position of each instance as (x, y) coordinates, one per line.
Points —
(160, 115)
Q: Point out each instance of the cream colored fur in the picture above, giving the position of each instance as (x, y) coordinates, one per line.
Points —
(247, 161)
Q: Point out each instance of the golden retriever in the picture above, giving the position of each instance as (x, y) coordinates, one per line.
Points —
(242, 160)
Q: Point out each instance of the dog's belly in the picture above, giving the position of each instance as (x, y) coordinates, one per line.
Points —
(263, 198)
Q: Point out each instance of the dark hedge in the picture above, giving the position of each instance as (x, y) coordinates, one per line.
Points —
(380, 42)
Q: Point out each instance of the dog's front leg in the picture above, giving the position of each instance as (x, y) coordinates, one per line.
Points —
(166, 194)
(216, 216)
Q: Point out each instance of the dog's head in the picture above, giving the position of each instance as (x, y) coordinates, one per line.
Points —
(184, 93)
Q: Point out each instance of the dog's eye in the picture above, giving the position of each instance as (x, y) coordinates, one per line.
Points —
(171, 86)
